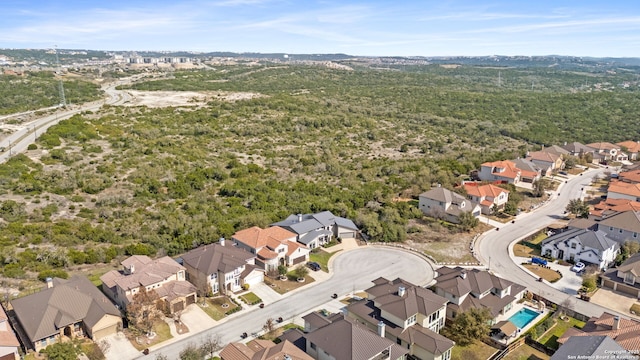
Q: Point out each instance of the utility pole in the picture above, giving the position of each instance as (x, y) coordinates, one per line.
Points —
(63, 100)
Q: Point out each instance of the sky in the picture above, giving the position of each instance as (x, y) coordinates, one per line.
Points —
(366, 28)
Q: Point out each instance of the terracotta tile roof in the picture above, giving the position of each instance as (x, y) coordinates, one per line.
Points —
(510, 169)
(632, 176)
(624, 188)
(631, 146)
(614, 205)
(256, 237)
(293, 246)
(627, 335)
(267, 254)
(484, 191)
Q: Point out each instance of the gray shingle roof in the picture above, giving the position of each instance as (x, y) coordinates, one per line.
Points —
(627, 220)
(597, 240)
(579, 347)
(42, 314)
(301, 224)
(210, 259)
(444, 195)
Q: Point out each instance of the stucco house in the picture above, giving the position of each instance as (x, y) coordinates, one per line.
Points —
(164, 275)
(499, 171)
(608, 151)
(632, 148)
(259, 349)
(489, 197)
(630, 176)
(9, 345)
(625, 278)
(587, 246)
(623, 190)
(315, 230)
(621, 227)
(446, 204)
(221, 267)
(467, 288)
(408, 315)
(68, 309)
(529, 171)
(547, 161)
(274, 246)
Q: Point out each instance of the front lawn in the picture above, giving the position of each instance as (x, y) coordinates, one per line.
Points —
(250, 298)
(141, 342)
(550, 338)
(321, 257)
(547, 274)
(284, 286)
(477, 350)
(218, 307)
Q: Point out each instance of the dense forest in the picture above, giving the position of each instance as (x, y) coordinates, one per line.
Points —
(139, 180)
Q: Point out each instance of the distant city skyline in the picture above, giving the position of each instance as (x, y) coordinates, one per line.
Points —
(368, 28)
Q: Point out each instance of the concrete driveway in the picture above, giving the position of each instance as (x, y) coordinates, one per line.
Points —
(615, 301)
(120, 348)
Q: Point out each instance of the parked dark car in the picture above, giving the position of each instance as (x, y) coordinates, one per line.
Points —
(314, 266)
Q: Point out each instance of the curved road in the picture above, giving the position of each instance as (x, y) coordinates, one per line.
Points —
(495, 247)
(351, 270)
(27, 133)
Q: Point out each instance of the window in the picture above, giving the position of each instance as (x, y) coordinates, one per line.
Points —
(446, 355)
(620, 231)
(610, 228)
(313, 346)
(635, 235)
(412, 320)
(629, 278)
(573, 245)
(398, 341)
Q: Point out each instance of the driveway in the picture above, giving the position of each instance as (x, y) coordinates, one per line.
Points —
(120, 348)
(352, 271)
(615, 301)
(570, 282)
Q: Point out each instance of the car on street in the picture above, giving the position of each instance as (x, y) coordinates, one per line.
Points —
(314, 266)
(577, 267)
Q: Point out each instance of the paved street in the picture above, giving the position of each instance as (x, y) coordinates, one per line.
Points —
(351, 270)
(494, 247)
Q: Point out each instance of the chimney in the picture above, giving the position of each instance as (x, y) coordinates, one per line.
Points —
(221, 241)
(49, 282)
(299, 217)
(381, 328)
(463, 274)
(401, 291)
(616, 323)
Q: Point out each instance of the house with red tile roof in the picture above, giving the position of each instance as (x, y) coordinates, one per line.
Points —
(631, 147)
(631, 176)
(500, 171)
(623, 190)
(608, 151)
(623, 331)
(9, 344)
(488, 196)
(164, 275)
(273, 246)
(609, 207)
(259, 349)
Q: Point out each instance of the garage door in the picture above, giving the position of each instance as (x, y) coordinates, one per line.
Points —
(298, 260)
(255, 278)
(607, 284)
(347, 235)
(100, 334)
(191, 299)
(628, 290)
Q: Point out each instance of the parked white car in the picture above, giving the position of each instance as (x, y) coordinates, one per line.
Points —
(578, 267)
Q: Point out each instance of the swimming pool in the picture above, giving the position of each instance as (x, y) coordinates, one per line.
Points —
(523, 317)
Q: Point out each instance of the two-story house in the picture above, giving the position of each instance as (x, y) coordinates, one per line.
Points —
(488, 197)
(445, 204)
(608, 151)
(341, 338)
(409, 315)
(467, 288)
(584, 245)
(631, 147)
(621, 227)
(625, 278)
(273, 246)
(547, 161)
(314, 230)
(505, 171)
(221, 267)
(65, 310)
(164, 275)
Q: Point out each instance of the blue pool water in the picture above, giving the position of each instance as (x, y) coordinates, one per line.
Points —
(523, 317)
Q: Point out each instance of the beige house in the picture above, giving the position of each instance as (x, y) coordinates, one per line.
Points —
(408, 315)
(164, 275)
(547, 161)
(221, 267)
(445, 204)
(65, 309)
(505, 171)
(625, 278)
(9, 344)
(273, 246)
(263, 350)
